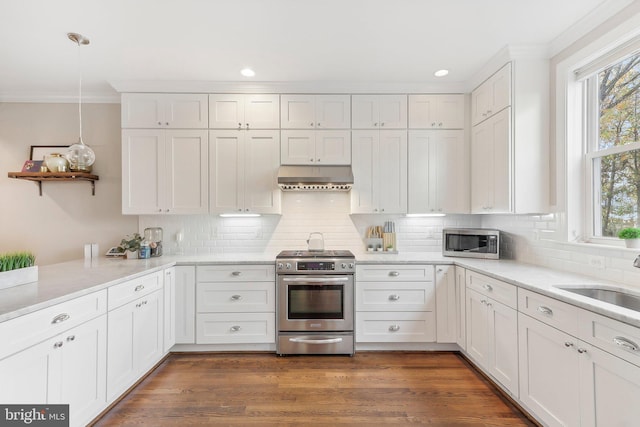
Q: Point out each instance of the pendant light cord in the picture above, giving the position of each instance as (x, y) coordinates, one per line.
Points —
(80, 93)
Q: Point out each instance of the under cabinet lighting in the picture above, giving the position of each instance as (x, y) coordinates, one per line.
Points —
(232, 215)
(441, 73)
(425, 215)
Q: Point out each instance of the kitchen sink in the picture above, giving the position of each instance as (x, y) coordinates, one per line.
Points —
(619, 298)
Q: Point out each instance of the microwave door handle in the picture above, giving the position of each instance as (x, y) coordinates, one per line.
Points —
(315, 279)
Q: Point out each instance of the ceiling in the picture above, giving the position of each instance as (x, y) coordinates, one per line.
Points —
(330, 41)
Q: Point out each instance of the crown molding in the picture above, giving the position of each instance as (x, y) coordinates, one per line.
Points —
(58, 98)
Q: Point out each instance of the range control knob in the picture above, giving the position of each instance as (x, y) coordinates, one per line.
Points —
(344, 265)
(288, 266)
(351, 265)
(280, 266)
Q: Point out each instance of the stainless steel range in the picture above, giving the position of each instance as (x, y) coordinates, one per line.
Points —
(315, 302)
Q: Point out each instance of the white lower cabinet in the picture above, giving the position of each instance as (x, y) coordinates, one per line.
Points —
(461, 304)
(395, 304)
(235, 304)
(135, 338)
(492, 328)
(169, 299)
(69, 368)
(185, 278)
(446, 304)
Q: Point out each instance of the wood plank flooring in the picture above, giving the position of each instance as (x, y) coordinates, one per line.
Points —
(371, 389)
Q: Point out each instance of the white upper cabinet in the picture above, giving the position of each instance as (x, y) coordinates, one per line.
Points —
(438, 178)
(244, 168)
(491, 97)
(436, 111)
(244, 111)
(168, 111)
(164, 172)
(315, 111)
(322, 147)
(379, 111)
(379, 162)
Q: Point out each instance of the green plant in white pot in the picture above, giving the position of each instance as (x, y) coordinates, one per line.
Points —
(130, 245)
(17, 268)
(631, 237)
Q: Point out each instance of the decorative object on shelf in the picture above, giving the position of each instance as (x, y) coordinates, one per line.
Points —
(130, 245)
(17, 268)
(56, 162)
(80, 156)
(631, 237)
(32, 166)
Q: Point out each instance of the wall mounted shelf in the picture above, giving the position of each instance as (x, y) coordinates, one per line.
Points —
(41, 177)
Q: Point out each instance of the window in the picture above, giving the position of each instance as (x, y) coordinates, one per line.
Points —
(612, 113)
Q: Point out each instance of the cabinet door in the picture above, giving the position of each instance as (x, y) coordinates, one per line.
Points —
(419, 198)
(185, 110)
(143, 171)
(479, 104)
(141, 110)
(333, 111)
(549, 373)
(436, 111)
(169, 311)
(477, 328)
(121, 366)
(298, 147)
(503, 339)
(147, 332)
(393, 111)
(609, 389)
(185, 281)
(365, 112)
(83, 370)
(187, 172)
(226, 175)
(25, 375)
(461, 303)
(500, 90)
(297, 112)
(450, 112)
(226, 111)
(333, 147)
(261, 163)
(446, 303)
(365, 171)
(262, 111)
(392, 172)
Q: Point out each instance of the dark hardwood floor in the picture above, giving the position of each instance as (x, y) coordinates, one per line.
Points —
(370, 389)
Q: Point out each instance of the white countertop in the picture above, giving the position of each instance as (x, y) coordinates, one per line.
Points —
(61, 282)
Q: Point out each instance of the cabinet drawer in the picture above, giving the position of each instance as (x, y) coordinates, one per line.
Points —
(131, 289)
(554, 313)
(27, 330)
(236, 297)
(235, 328)
(492, 288)
(419, 326)
(400, 296)
(610, 335)
(236, 273)
(390, 272)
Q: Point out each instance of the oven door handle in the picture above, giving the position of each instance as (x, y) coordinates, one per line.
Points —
(315, 279)
(308, 340)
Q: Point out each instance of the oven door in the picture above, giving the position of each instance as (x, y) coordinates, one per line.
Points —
(315, 303)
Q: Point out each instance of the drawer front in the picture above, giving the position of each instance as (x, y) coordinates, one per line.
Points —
(394, 273)
(236, 273)
(396, 327)
(610, 335)
(27, 330)
(236, 297)
(497, 290)
(401, 296)
(132, 289)
(554, 313)
(235, 328)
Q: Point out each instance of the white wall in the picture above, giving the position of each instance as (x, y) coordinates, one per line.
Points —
(57, 225)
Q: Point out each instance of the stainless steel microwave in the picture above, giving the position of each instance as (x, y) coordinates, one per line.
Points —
(471, 243)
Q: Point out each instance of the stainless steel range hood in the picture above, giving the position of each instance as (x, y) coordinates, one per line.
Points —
(315, 178)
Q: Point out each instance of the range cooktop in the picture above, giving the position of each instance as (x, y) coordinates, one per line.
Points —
(316, 254)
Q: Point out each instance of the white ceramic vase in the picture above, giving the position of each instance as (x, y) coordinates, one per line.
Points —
(632, 243)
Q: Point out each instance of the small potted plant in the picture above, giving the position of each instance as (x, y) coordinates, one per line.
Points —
(17, 268)
(130, 245)
(631, 237)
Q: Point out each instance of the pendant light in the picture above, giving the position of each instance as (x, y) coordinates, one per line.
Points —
(79, 155)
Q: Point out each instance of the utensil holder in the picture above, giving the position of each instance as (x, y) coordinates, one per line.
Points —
(389, 242)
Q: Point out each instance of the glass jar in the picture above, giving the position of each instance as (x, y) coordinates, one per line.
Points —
(153, 235)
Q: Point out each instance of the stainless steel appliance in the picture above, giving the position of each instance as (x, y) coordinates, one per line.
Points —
(315, 302)
(471, 243)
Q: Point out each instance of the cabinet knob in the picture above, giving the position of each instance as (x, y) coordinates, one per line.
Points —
(235, 328)
(394, 273)
(381, 123)
(311, 160)
(582, 350)
(394, 297)
(239, 125)
(568, 344)
(71, 338)
(236, 297)
(236, 273)
(318, 160)
(440, 124)
(58, 344)
(375, 124)
(433, 123)
(394, 328)
(487, 287)
(247, 125)
(318, 124)
(311, 124)
(159, 123)
(159, 210)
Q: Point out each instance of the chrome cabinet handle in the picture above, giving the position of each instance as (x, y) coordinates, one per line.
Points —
(487, 287)
(236, 273)
(582, 350)
(568, 344)
(625, 343)
(394, 297)
(60, 318)
(58, 344)
(138, 288)
(394, 273)
(545, 310)
(71, 338)
(235, 328)
(236, 297)
(394, 328)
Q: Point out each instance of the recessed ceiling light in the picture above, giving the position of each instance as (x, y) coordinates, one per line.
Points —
(441, 73)
(247, 72)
